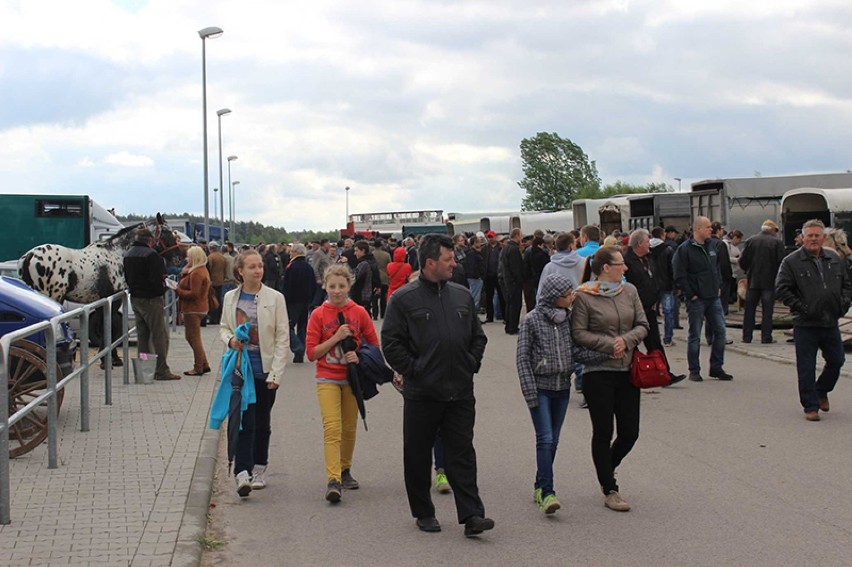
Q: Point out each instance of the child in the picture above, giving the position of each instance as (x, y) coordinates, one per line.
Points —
(336, 400)
(545, 360)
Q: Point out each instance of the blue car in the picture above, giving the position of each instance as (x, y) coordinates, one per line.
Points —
(21, 307)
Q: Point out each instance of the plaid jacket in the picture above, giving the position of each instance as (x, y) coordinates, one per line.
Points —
(546, 353)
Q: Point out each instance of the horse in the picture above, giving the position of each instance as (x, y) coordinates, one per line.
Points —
(94, 272)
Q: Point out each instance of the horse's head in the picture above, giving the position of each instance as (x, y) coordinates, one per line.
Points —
(165, 241)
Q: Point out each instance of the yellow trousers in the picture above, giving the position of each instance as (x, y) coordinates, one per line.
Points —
(339, 411)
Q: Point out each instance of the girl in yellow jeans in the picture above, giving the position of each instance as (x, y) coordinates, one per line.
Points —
(336, 400)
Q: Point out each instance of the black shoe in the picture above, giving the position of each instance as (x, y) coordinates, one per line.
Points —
(791, 340)
(678, 327)
(675, 379)
(429, 524)
(720, 374)
(299, 358)
(746, 341)
(476, 525)
(332, 493)
(769, 342)
(349, 483)
(491, 320)
(695, 377)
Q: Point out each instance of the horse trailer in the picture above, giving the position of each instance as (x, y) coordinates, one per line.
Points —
(832, 206)
(659, 209)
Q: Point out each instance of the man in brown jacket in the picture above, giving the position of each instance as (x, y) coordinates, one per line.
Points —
(217, 265)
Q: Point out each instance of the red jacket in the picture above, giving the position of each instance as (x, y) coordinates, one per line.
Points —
(324, 323)
(398, 271)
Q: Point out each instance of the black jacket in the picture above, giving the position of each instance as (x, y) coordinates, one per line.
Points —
(432, 336)
(474, 264)
(726, 270)
(144, 271)
(661, 256)
(817, 291)
(696, 270)
(512, 266)
(646, 285)
(535, 259)
(300, 284)
(760, 260)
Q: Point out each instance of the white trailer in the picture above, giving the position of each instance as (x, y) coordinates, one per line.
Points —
(832, 206)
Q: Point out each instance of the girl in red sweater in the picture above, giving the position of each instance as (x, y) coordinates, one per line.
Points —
(337, 402)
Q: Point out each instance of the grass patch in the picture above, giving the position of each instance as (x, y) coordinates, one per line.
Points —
(210, 543)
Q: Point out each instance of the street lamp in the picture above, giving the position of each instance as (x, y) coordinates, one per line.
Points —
(220, 113)
(678, 183)
(233, 201)
(211, 32)
(215, 190)
(231, 196)
(347, 208)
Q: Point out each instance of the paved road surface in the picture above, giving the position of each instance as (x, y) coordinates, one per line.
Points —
(723, 474)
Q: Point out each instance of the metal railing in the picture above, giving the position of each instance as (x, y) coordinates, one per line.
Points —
(55, 385)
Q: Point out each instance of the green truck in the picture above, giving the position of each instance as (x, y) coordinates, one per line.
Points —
(70, 220)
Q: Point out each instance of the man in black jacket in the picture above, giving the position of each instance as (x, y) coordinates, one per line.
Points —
(726, 272)
(814, 283)
(641, 272)
(433, 337)
(512, 274)
(760, 260)
(299, 290)
(145, 274)
(696, 274)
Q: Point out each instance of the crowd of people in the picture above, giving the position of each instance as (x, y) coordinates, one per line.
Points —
(590, 299)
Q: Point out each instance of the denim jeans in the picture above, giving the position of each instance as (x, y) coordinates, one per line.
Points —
(766, 297)
(438, 451)
(298, 315)
(253, 441)
(475, 285)
(810, 340)
(547, 419)
(667, 304)
(697, 310)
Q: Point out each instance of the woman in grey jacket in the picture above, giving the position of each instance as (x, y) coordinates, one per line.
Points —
(546, 357)
(608, 317)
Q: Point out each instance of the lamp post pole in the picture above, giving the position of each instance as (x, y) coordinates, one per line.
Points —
(219, 114)
(215, 204)
(211, 32)
(678, 183)
(233, 203)
(231, 196)
(346, 224)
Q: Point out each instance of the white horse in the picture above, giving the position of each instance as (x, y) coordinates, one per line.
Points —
(91, 273)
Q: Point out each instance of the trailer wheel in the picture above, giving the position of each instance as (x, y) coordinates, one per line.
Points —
(27, 381)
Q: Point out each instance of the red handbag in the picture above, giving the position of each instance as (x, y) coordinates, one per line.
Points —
(649, 370)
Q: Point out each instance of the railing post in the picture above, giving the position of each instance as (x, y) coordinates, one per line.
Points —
(125, 337)
(107, 358)
(52, 405)
(5, 504)
(84, 375)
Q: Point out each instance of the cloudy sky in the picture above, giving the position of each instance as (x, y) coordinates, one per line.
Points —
(412, 104)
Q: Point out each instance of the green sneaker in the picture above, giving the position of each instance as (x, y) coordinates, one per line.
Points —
(537, 497)
(442, 485)
(550, 504)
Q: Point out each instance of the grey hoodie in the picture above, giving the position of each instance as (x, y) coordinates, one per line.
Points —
(569, 264)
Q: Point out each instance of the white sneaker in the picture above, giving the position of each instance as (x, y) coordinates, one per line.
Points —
(258, 477)
(243, 484)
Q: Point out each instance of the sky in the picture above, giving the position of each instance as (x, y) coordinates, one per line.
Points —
(412, 104)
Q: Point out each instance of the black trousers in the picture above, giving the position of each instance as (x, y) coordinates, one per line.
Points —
(422, 419)
(611, 395)
(512, 313)
(379, 302)
(490, 285)
(653, 340)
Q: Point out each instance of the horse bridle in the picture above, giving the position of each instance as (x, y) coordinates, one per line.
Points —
(158, 242)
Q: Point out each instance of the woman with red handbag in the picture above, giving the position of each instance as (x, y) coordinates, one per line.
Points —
(608, 317)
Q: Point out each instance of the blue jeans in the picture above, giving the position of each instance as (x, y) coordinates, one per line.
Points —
(475, 285)
(298, 315)
(547, 419)
(438, 451)
(810, 340)
(697, 310)
(667, 304)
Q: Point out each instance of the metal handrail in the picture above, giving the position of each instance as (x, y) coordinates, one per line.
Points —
(49, 327)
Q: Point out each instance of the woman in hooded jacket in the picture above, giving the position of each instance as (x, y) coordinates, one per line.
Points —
(545, 359)
(398, 271)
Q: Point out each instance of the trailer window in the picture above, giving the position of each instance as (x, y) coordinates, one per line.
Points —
(59, 209)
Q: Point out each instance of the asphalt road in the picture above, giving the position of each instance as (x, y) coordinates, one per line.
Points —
(724, 473)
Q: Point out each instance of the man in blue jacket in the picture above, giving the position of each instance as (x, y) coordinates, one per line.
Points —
(696, 274)
(433, 337)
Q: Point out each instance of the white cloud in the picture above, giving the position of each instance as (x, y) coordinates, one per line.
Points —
(126, 159)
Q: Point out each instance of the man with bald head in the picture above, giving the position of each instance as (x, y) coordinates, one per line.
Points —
(696, 274)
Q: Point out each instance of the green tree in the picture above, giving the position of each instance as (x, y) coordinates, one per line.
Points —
(556, 170)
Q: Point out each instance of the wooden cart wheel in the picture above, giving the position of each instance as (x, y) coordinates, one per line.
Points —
(27, 381)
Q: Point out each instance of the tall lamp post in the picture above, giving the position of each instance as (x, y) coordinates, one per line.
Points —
(215, 190)
(678, 183)
(346, 224)
(233, 202)
(211, 32)
(219, 114)
(231, 196)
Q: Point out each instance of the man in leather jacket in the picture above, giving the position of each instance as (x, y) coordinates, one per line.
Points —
(814, 283)
(433, 337)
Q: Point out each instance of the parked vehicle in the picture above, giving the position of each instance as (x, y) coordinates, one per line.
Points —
(609, 214)
(21, 307)
(70, 220)
(659, 209)
(832, 206)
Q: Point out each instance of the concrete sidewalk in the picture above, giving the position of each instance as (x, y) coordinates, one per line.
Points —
(134, 490)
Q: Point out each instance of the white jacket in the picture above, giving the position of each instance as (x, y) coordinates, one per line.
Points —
(273, 328)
